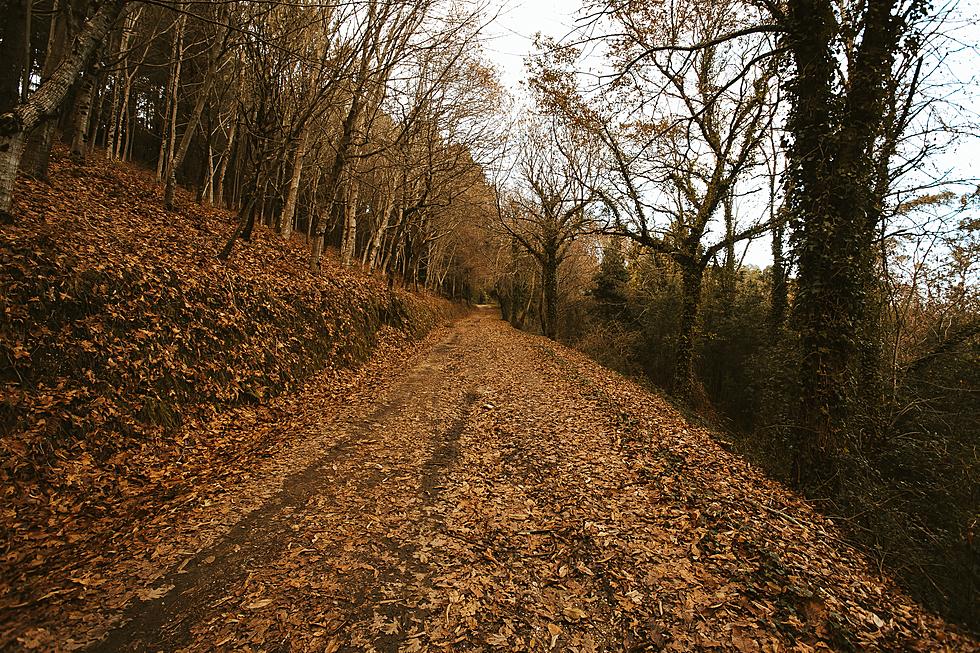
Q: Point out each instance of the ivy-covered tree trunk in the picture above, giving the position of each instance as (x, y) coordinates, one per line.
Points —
(549, 281)
(834, 212)
(779, 289)
(692, 276)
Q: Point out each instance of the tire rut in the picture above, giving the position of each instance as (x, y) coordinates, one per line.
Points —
(200, 584)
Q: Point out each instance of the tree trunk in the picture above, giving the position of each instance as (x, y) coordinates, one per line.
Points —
(15, 124)
(168, 136)
(691, 280)
(245, 221)
(95, 121)
(122, 124)
(318, 241)
(82, 112)
(37, 151)
(130, 140)
(779, 298)
(351, 209)
(122, 88)
(177, 156)
(311, 205)
(729, 276)
(207, 187)
(223, 168)
(549, 288)
(14, 50)
(372, 251)
(289, 210)
(110, 130)
(833, 205)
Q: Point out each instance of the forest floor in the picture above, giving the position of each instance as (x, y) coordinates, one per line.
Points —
(488, 490)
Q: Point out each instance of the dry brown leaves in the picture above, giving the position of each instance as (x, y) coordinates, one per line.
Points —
(130, 360)
(493, 491)
(507, 494)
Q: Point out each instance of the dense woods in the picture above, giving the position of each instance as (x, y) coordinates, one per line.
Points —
(360, 125)
(612, 209)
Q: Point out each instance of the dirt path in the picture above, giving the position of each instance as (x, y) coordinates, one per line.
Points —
(504, 493)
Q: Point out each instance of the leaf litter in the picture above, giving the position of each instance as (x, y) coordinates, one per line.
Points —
(480, 490)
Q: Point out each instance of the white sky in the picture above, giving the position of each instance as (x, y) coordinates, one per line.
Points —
(510, 38)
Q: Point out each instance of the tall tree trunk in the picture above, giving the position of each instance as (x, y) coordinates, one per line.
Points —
(833, 203)
(692, 276)
(311, 205)
(348, 248)
(549, 288)
(110, 133)
(207, 186)
(98, 106)
(82, 112)
(37, 151)
(14, 52)
(129, 136)
(371, 252)
(730, 275)
(335, 176)
(176, 158)
(223, 168)
(123, 84)
(319, 238)
(289, 210)
(15, 124)
(168, 136)
(122, 125)
(779, 297)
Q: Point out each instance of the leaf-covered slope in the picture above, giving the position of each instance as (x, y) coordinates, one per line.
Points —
(119, 331)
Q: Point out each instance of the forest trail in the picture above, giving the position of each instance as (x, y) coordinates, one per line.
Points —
(501, 492)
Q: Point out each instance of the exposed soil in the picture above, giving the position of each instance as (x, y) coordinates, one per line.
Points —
(494, 492)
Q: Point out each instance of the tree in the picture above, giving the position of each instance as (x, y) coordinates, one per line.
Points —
(835, 204)
(218, 47)
(680, 134)
(548, 213)
(610, 292)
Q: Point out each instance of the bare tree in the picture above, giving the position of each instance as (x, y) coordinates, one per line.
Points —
(680, 135)
(548, 212)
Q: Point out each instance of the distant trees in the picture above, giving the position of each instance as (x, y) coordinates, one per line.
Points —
(547, 211)
(681, 135)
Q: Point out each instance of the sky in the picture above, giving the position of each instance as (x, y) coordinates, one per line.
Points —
(510, 37)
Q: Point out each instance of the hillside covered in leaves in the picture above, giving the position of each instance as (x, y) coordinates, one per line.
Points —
(124, 344)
